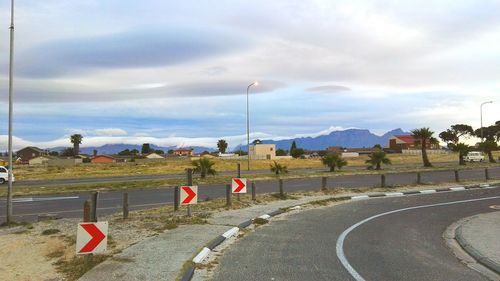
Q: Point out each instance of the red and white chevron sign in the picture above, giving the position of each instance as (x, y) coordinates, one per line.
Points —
(239, 185)
(189, 195)
(91, 237)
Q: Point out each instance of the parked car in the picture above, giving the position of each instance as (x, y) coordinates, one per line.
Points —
(474, 156)
(4, 175)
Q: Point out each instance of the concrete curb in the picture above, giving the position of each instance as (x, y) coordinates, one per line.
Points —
(477, 255)
(205, 252)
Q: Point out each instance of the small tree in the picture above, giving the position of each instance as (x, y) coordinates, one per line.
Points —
(377, 158)
(293, 147)
(452, 138)
(204, 167)
(423, 136)
(488, 147)
(222, 145)
(76, 140)
(297, 152)
(333, 160)
(159, 151)
(281, 152)
(278, 169)
(146, 148)
(67, 152)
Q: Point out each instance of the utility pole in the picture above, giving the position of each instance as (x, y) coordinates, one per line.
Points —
(11, 63)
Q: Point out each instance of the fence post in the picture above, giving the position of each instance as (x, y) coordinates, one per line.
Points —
(125, 205)
(189, 175)
(487, 174)
(93, 208)
(228, 195)
(323, 183)
(86, 211)
(254, 197)
(239, 176)
(382, 180)
(282, 193)
(177, 198)
(457, 176)
(419, 178)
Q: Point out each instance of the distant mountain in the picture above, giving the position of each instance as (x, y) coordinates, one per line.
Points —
(115, 148)
(351, 138)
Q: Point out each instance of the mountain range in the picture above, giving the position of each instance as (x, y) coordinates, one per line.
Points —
(350, 138)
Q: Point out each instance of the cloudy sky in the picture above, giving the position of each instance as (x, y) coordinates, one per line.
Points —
(176, 72)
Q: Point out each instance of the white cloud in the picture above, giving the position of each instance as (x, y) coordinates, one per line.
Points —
(110, 132)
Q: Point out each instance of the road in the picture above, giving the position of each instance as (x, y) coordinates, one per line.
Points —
(403, 245)
(70, 204)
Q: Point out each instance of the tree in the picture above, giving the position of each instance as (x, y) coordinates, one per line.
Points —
(297, 152)
(281, 152)
(278, 169)
(54, 153)
(333, 160)
(204, 167)
(377, 146)
(159, 151)
(68, 152)
(94, 152)
(240, 152)
(134, 152)
(146, 148)
(222, 145)
(293, 147)
(377, 158)
(170, 151)
(452, 138)
(76, 140)
(257, 141)
(423, 136)
(488, 146)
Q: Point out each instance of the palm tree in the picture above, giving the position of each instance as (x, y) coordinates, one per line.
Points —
(377, 158)
(204, 167)
(76, 140)
(423, 136)
(333, 160)
(278, 169)
(488, 146)
(222, 145)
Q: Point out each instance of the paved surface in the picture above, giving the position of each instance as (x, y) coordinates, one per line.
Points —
(405, 245)
(162, 257)
(71, 204)
(479, 235)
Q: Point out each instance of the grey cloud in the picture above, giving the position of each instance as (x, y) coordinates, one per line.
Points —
(328, 89)
(138, 48)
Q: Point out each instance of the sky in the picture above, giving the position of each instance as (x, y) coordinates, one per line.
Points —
(176, 72)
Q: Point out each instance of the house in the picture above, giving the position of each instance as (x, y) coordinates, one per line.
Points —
(408, 142)
(30, 152)
(40, 160)
(154, 155)
(102, 159)
(262, 151)
(183, 152)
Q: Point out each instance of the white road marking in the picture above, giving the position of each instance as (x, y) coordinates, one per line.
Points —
(360, 197)
(232, 232)
(266, 216)
(394, 194)
(342, 237)
(201, 255)
(428, 191)
(31, 199)
(458, 188)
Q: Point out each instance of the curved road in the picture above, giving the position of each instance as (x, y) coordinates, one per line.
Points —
(404, 245)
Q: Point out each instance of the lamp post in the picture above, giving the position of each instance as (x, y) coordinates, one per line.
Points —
(11, 63)
(481, 113)
(248, 125)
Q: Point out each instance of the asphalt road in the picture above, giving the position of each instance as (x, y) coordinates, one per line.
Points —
(71, 204)
(405, 245)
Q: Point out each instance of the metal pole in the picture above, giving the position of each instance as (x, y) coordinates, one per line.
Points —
(248, 126)
(11, 88)
(189, 174)
(481, 116)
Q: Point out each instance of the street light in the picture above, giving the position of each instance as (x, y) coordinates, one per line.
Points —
(11, 63)
(481, 113)
(248, 125)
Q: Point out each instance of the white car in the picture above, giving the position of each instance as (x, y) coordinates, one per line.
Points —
(474, 156)
(4, 175)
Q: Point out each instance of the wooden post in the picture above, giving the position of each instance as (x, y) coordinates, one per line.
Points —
(282, 193)
(457, 176)
(487, 174)
(86, 211)
(382, 180)
(228, 195)
(323, 183)
(125, 205)
(239, 176)
(93, 206)
(177, 198)
(189, 175)
(419, 178)
(254, 197)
